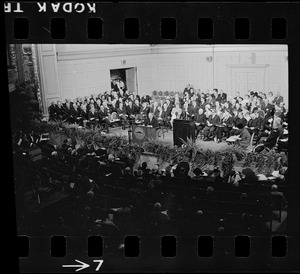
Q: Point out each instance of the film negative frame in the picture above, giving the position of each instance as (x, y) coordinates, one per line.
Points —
(186, 16)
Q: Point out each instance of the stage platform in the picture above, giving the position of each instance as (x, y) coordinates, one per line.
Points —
(167, 138)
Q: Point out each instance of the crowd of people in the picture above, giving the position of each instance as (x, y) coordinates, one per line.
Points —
(107, 196)
(215, 116)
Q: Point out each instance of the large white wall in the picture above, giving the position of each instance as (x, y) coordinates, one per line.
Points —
(69, 71)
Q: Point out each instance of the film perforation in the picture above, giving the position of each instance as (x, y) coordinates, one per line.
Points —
(131, 28)
(242, 28)
(58, 28)
(21, 28)
(95, 246)
(132, 246)
(242, 246)
(279, 28)
(58, 246)
(205, 28)
(279, 246)
(168, 246)
(168, 28)
(205, 246)
(94, 28)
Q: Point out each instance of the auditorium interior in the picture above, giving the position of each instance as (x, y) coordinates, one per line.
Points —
(149, 139)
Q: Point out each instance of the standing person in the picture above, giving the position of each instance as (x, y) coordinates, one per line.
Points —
(200, 121)
(175, 113)
(52, 111)
(185, 115)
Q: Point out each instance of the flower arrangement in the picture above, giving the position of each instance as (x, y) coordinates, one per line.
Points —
(265, 162)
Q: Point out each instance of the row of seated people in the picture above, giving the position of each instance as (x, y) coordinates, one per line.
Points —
(212, 113)
(94, 193)
(83, 186)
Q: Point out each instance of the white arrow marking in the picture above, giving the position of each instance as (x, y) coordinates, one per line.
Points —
(81, 266)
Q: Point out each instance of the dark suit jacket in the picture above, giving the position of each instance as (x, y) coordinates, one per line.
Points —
(129, 111)
(84, 115)
(242, 121)
(228, 122)
(93, 115)
(136, 109)
(193, 110)
(214, 120)
(145, 111)
(272, 138)
(113, 109)
(103, 114)
(200, 118)
(153, 122)
(121, 111)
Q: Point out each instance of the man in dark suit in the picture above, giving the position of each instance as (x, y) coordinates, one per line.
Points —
(145, 109)
(169, 107)
(212, 124)
(151, 120)
(200, 121)
(223, 96)
(103, 117)
(188, 89)
(145, 98)
(68, 112)
(59, 111)
(136, 107)
(239, 120)
(130, 111)
(52, 111)
(216, 95)
(271, 140)
(193, 109)
(75, 110)
(226, 125)
(114, 85)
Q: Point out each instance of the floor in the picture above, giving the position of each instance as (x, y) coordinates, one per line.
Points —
(167, 138)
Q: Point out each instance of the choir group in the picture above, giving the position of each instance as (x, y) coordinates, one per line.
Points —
(215, 116)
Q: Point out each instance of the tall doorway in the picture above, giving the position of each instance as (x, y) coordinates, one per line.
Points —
(248, 78)
(125, 78)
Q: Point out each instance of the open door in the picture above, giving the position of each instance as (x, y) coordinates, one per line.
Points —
(131, 79)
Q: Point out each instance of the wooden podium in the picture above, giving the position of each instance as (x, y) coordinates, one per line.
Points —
(183, 129)
(141, 133)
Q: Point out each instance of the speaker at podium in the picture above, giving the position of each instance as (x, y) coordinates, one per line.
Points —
(183, 129)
